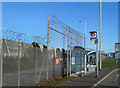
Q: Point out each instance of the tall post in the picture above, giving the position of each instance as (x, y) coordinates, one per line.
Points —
(67, 49)
(19, 62)
(1, 46)
(97, 55)
(71, 54)
(47, 46)
(85, 65)
(1, 57)
(85, 48)
(100, 32)
(85, 36)
(48, 33)
(77, 38)
(64, 38)
(36, 64)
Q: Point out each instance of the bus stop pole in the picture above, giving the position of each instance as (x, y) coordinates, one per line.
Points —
(97, 54)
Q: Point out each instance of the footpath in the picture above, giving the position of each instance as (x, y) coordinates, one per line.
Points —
(89, 80)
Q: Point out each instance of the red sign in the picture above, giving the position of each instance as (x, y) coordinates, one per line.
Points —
(93, 35)
(57, 61)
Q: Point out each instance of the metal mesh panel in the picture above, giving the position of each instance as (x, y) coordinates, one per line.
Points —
(50, 63)
(58, 67)
(10, 63)
(27, 65)
(42, 65)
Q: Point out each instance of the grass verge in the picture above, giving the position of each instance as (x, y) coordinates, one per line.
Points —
(107, 63)
(59, 82)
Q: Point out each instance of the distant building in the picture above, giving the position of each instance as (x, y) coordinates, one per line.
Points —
(117, 50)
(112, 55)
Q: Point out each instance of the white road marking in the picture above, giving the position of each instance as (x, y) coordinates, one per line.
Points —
(104, 78)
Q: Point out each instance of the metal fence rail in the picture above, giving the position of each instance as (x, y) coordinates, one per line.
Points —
(70, 37)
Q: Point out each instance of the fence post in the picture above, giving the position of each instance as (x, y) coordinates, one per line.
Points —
(71, 55)
(47, 63)
(1, 58)
(64, 38)
(48, 33)
(18, 61)
(77, 38)
(67, 48)
(47, 46)
(36, 64)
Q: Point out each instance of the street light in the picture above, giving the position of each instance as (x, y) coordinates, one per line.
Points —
(100, 31)
(85, 33)
(84, 45)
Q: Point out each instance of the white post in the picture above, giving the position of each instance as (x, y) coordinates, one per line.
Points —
(100, 33)
(85, 65)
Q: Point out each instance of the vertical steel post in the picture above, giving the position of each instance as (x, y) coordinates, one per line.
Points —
(100, 32)
(97, 55)
(67, 48)
(48, 33)
(64, 38)
(1, 58)
(47, 46)
(47, 64)
(85, 36)
(77, 38)
(85, 48)
(36, 64)
(71, 55)
(19, 62)
(1, 46)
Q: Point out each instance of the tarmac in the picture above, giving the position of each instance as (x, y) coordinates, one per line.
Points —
(89, 79)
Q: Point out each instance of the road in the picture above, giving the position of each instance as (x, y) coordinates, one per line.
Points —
(91, 81)
(112, 80)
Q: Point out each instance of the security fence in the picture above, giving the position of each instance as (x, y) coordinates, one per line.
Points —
(24, 61)
(62, 36)
(25, 64)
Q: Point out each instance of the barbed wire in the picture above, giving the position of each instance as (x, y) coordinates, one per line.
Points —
(54, 21)
(62, 28)
(26, 38)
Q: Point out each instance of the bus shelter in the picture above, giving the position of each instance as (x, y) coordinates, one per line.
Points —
(91, 60)
(78, 62)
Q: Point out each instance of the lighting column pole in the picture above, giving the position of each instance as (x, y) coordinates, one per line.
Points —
(100, 32)
(84, 46)
(85, 33)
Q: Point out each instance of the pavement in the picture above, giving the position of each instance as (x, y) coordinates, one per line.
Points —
(89, 80)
